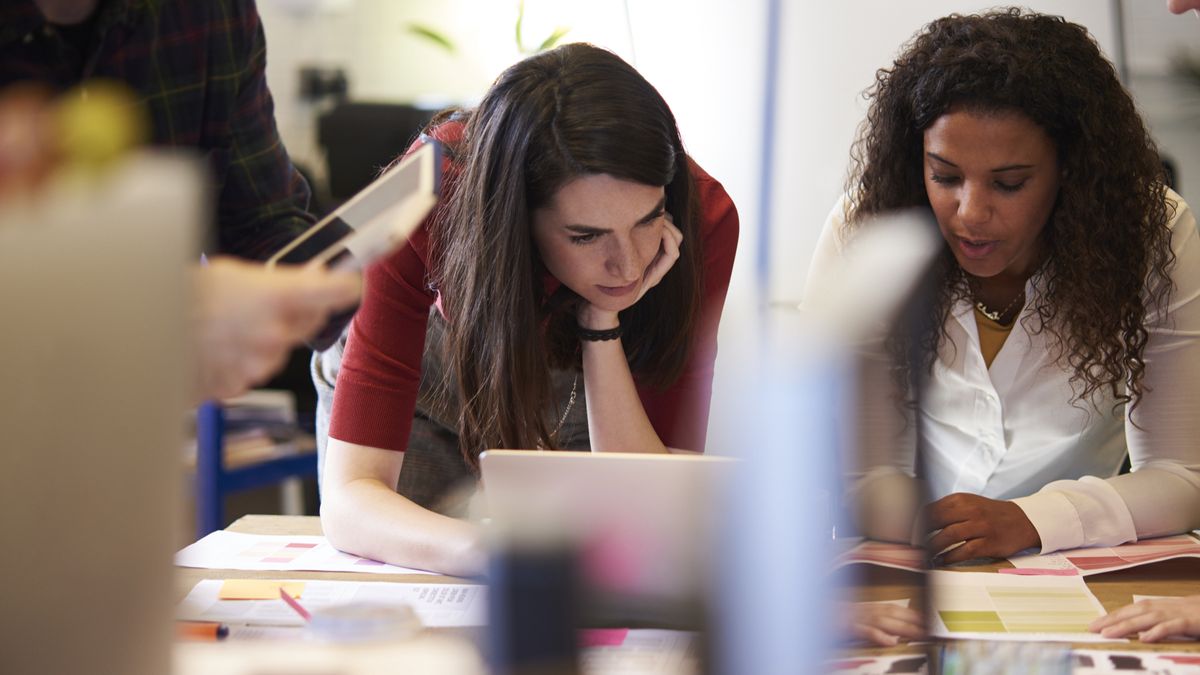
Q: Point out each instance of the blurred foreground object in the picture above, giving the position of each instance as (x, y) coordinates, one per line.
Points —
(99, 123)
(95, 359)
(247, 318)
(81, 130)
(797, 439)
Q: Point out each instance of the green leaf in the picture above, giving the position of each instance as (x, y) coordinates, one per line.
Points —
(554, 38)
(434, 36)
(520, 19)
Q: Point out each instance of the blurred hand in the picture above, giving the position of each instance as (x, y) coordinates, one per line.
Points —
(881, 624)
(1153, 620)
(249, 317)
(986, 528)
(1181, 6)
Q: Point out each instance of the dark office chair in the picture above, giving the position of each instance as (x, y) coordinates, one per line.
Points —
(360, 139)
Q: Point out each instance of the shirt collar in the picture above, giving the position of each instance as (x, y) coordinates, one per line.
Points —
(19, 18)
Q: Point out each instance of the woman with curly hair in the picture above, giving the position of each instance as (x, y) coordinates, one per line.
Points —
(577, 263)
(1066, 325)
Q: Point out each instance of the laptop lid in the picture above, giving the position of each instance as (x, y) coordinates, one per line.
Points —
(641, 522)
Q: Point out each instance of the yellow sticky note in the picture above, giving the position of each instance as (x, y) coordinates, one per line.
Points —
(258, 589)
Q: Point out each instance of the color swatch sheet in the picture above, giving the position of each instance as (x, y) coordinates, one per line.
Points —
(917, 664)
(437, 605)
(883, 554)
(985, 606)
(1088, 661)
(223, 550)
(1096, 560)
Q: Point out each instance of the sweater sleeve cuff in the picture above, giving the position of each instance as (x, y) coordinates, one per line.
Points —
(1055, 519)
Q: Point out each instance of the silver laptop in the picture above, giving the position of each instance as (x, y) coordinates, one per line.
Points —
(641, 522)
(94, 358)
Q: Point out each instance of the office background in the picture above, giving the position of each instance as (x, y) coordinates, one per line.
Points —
(729, 70)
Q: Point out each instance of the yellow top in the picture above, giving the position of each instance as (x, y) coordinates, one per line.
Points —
(992, 335)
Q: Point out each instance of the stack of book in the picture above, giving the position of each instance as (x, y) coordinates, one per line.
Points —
(259, 425)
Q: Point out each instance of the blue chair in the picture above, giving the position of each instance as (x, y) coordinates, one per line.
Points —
(214, 481)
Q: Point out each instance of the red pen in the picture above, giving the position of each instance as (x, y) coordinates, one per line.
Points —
(295, 604)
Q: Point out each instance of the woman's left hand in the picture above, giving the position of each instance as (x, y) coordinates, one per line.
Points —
(1152, 620)
(985, 528)
(668, 253)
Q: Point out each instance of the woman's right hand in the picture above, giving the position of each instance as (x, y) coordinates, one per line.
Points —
(361, 513)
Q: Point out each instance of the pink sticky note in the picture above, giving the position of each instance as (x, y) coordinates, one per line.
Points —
(1035, 571)
(602, 637)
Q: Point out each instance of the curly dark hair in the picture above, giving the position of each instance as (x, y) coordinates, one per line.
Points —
(1107, 245)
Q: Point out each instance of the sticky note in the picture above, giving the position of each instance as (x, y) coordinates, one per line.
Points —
(1038, 571)
(602, 637)
(258, 589)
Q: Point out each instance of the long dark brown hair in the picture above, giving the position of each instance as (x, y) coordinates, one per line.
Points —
(1108, 241)
(568, 112)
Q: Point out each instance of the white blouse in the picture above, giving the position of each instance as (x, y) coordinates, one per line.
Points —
(1012, 432)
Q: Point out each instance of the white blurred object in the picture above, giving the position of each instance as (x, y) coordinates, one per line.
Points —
(795, 420)
(307, 7)
(878, 270)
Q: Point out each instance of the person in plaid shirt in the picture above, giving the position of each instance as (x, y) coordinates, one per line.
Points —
(198, 70)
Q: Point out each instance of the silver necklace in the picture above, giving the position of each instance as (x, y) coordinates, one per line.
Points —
(567, 410)
(993, 315)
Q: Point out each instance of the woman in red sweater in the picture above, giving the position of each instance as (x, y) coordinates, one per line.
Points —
(577, 254)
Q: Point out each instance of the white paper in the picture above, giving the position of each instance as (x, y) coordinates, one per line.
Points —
(224, 550)
(437, 605)
(899, 603)
(645, 652)
(1012, 607)
(426, 653)
(1096, 560)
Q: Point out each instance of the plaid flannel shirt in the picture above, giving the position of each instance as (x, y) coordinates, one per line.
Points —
(198, 67)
